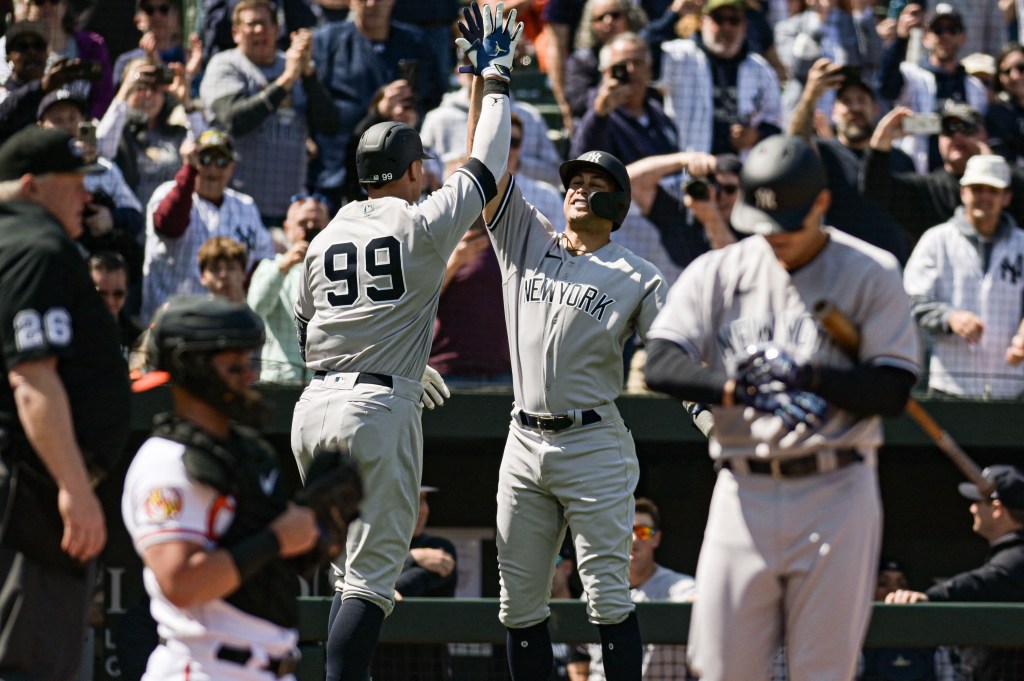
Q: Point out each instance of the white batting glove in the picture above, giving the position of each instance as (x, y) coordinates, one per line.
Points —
(434, 389)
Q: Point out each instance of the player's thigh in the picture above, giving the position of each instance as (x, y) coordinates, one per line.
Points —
(530, 527)
(594, 479)
(836, 576)
(736, 623)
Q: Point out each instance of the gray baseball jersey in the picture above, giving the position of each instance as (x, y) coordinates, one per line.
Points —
(568, 319)
(782, 555)
(730, 299)
(373, 275)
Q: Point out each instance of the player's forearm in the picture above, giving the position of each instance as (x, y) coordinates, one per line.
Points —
(189, 576)
(45, 415)
(866, 390)
(671, 371)
(493, 130)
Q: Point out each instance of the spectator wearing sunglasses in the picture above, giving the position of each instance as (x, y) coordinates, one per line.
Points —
(920, 201)
(925, 88)
(722, 97)
(649, 581)
(275, 288)
(159, 22)
(1005, 118)
(110, 275)
(842, 145)
(193, 207)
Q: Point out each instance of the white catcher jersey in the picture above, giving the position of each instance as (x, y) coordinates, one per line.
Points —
(373, 275)
(568, 317)
(161, 503)
(730, 299)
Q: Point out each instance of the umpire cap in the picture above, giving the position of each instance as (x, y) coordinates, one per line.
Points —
(386, 151)
(608, 205)
(197, 324)
(780, 181)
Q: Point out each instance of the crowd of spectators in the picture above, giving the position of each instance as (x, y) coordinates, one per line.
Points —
(246, 130)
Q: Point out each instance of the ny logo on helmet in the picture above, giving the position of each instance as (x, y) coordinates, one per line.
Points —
(764, 198)
(592, 157)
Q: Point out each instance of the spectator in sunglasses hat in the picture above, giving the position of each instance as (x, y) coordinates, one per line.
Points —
(193, 207)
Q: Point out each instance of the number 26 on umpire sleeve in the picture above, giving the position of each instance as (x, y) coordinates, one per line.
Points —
(382, 258)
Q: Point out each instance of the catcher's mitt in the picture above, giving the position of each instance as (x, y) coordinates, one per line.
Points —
(334, 491)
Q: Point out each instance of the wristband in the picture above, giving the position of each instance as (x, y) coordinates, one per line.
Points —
(253, 553)
(496, 86)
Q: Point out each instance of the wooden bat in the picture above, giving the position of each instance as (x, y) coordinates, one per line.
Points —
(847, 337)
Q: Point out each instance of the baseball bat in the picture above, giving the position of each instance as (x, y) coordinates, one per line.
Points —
(847, 337)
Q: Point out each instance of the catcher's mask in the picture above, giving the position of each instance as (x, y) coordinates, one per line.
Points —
(185, 336)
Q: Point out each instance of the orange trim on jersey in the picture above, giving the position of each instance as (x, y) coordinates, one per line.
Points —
(221, 503)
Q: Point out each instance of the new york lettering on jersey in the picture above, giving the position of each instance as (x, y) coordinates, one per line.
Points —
(590, 299)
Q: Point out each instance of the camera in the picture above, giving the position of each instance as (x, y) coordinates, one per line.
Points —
(409, 71)
(620, 72)
(698, 188)
(164, 75)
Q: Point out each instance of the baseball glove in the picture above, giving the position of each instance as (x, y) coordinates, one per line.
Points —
(767, 363)
(770, 380)
(334, 490)
(490, 40)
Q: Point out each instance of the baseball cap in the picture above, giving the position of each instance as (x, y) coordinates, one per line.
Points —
(427, 489)
(960, 111)
(39, 151)
(216, 140)
(714, 5)
(20, 28)
(728, 163)
(891, 564)
(854, 81)
(781, 179)
(1009, 482)
(987, 169)
(62, 95)
(945, 12)
(979, 62)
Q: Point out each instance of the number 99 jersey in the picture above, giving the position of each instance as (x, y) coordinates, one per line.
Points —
(372, 277)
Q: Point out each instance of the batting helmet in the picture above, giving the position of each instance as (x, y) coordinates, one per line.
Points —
(781, 179)
(386, 151)
(608, 205)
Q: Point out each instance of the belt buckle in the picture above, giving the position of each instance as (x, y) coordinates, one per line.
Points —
(775, 465)
(547, 422)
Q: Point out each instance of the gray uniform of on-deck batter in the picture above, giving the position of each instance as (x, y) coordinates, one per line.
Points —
(568, 318)
(369, 295)
(795, 554)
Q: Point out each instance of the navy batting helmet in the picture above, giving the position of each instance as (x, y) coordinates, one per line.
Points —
(781, 179)
(386, 151)
(609, 205)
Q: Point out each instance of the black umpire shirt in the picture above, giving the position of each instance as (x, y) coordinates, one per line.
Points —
(49, 307)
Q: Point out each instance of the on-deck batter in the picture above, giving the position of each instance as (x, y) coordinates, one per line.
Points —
(365, 313)
(572, 300)
(795, 520)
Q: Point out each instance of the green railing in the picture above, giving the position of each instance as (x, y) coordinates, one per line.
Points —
(431, 620)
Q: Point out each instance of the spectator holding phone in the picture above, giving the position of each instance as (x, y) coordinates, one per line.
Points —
(159, 21)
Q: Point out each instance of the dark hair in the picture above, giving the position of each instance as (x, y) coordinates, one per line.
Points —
(107, 261)
(645, 505)
(1008, 49)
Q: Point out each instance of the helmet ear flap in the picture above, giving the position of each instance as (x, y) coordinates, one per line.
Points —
(610, 205)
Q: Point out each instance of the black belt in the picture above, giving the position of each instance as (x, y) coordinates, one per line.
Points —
(556, 422)
(365, 377)
(798, 467)
(278, 666)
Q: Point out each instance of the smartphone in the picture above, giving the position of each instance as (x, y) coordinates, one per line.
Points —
(620, 72)
(922, 124)
(87, 133)
(409, 71)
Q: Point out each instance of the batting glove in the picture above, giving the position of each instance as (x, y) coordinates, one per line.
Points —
(497, 48)
(792, 406)
(769, 364)
(434, 389)
(472, 29)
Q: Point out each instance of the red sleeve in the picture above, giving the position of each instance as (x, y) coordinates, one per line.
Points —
(171, 218)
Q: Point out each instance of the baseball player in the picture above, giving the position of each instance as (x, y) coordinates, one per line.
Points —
(365, 315)
(572, 299)
(206, 508)
(795, 521)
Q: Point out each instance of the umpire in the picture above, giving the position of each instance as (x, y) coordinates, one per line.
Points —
(63, 409)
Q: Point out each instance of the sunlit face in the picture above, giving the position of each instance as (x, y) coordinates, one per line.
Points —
(373, 15)
(945, 40)
(63, 195)
(581, 186)
(256, 35)
(224, 278)
(159, 16)
(727, 187)
(1011, 74)
(642, 553)
(958, 145)
(724, 31)
(63, 116)
(854, 114)
(983, 206)
(608, 19)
